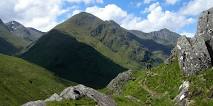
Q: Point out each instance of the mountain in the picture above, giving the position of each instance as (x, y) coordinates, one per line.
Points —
(28, 34)
(21, 81)
(90, 51)
(9, 44)
(113, 41)
(163, 36)
(70, 59)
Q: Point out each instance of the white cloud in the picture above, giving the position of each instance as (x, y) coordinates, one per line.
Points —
(85, 1)
(156, 19)
(32, 13)
(39, 14)
(171, 1)
(188, 34)
(195, 7)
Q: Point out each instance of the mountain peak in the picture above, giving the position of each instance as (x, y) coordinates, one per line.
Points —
(13, 25)
(165, 30)
(85, 16)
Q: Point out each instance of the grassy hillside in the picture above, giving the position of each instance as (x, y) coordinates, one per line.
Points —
(158, 87)
(72, 60)
(21, 82)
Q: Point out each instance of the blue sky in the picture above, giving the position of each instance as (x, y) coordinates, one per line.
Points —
(145, 15)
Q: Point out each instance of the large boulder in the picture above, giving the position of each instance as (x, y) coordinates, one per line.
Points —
(193, 54)
(76, 92)
(196, 54)
(118, 82)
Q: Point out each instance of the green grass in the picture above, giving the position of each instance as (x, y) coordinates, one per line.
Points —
(201, 88)
(21, 82)
(155, 87)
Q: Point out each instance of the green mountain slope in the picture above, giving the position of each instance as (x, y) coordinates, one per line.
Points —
(72, 60)
(113, 41)
(21, 82)
(12, 44)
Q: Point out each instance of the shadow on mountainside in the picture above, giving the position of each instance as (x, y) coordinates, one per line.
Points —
(72, 60)
(6, 47)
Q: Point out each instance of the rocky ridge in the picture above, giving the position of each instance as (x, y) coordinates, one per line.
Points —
(74, 93)
(195, 54)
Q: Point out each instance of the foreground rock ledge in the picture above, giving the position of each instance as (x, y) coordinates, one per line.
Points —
(74, 93)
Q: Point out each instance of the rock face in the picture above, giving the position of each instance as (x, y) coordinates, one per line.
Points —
(196, 54)
(118, 82)
(193, 54)
(74, 93)
(205, 29)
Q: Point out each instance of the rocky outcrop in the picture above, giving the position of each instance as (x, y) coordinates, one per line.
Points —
(172, 57)
(181, 98)
(74, 93)
(196, 54)
(118, 82)
(193, 54)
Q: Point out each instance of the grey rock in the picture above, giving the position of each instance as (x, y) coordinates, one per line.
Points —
(181, 98)
(54, 97)
(196, 54)
(76, 92)
(172, 57)
(80, 90)
(193, 54)
(73, 92)
(205, 29)
(118, 82)
(35, 103)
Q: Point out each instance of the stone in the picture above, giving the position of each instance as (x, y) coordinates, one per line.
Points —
(118, 82)
(205, 29)
(73, 92)
(181, 98)
(81, 90)
(196, 54)
(76, 92)
(54, 97)
(35, 103)
(172, 57)
(193, 54)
